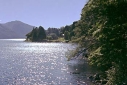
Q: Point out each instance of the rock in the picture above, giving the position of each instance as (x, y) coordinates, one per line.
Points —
(74, 72)
(91, 78)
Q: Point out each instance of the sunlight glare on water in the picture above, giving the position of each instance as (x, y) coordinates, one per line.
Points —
(26, 63)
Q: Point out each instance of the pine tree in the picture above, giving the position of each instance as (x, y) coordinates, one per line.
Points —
(41, 33)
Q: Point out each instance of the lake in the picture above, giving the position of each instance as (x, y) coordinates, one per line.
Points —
(29, 63)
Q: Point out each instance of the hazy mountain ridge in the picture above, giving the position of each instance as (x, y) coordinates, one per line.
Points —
(14, 29)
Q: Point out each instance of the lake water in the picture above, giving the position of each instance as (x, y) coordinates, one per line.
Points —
(27, 63)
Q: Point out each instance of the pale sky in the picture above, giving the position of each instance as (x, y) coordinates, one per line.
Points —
(47, 13)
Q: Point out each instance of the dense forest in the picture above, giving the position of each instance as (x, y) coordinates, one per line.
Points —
(39, 34)
(103, 28)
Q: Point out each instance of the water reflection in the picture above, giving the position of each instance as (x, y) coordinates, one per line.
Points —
(25, 63)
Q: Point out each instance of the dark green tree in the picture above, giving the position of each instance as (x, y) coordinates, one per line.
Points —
(66, 35)
(41, 33)
(111, 56)
(54, 36)
(103, 28)
(36, 35)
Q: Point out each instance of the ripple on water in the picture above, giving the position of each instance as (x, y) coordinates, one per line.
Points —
(25, 63)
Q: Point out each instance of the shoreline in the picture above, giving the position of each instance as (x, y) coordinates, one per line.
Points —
(49, 41)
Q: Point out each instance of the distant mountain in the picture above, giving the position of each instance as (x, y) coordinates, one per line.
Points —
(14, 29)
(6, 33)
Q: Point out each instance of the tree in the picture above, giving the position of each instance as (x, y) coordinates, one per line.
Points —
(36, 35)
(54, 36)
(103, 27)
(66, 35)
(53, 30)
(111, 55)
(41, 33)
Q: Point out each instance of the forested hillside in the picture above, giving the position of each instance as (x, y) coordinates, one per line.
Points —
(103, 28)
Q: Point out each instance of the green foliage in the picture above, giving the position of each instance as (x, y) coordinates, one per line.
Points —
(52, 36)
(111, 55)
(41, 33)
(49, 37)
(72, 53)
(69, 29)
(36, 35)
(54, 31)
(103, 28)
(66, 35)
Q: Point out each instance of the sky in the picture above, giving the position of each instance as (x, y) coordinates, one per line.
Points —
(46, 13)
